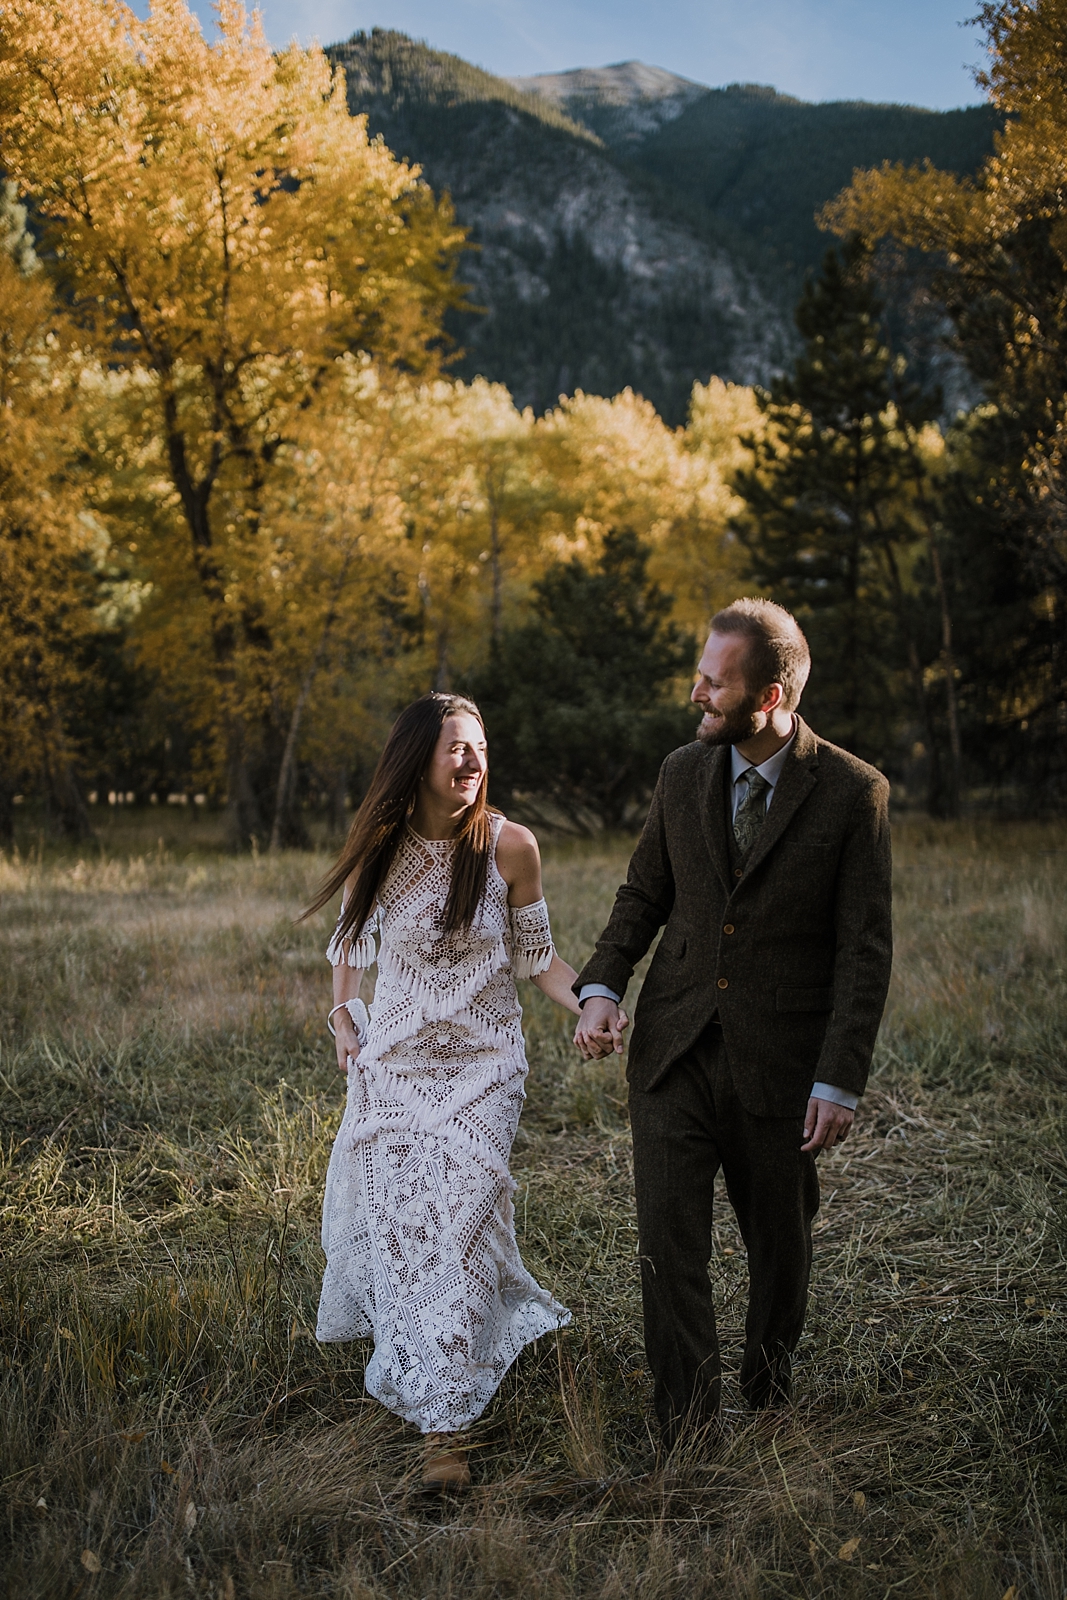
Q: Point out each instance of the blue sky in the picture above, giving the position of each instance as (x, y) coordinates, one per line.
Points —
(903, 50)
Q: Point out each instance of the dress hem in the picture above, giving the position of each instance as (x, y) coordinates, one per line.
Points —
(415, 1414)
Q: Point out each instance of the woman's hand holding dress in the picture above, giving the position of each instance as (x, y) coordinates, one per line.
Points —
(347, 1040)
(346, 986)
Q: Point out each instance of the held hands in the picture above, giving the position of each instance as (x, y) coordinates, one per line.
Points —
(600, 1028)
(826, 1124)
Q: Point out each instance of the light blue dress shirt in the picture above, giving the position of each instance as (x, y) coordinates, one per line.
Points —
(770, 770)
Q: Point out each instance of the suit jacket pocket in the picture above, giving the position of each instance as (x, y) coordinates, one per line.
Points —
(804, 1000)
(672, 945)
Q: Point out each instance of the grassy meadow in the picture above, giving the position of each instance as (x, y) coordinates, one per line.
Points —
(170, 1427)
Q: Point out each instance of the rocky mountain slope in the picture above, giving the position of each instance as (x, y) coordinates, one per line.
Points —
(760, 161)
(624, 104)
(586, 283)
(630, 227)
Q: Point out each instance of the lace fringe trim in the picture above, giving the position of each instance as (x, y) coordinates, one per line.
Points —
(407, 1023)
(360, 952)
(415, 1114)
(422, 1003)
(531, 963)
(530, 939)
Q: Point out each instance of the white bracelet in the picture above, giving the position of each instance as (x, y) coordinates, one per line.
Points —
(359, 1015)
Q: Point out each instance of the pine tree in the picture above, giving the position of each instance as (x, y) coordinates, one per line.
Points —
(997, 247)
(580, 704)
(831, 525)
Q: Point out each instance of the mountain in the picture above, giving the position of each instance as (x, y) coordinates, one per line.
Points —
(587, 282)
(754, 159)
(630, 227)
(624, 104)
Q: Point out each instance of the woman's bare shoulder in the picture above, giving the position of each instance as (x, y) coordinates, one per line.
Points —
(517, 855)
(517, 843)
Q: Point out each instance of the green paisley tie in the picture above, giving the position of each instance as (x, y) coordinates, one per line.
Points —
(748, 819)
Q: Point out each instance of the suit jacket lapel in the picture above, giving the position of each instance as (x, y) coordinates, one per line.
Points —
(712, 801)
(793, 787)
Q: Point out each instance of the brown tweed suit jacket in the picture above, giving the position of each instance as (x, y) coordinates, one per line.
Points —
(793, 949)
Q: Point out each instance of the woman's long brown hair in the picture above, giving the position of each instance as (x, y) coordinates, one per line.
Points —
(378, 826)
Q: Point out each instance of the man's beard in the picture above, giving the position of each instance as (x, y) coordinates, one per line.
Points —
(733, 727)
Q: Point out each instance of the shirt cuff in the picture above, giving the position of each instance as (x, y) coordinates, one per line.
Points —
(589, 990)
(837, 1097)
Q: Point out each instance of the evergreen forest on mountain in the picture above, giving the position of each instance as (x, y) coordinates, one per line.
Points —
(561, 193)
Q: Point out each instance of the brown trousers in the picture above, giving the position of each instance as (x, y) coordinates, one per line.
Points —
(684, 1130)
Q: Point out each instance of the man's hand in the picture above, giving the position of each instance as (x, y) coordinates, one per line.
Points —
(826, 1124)
(347, 1041)
(600, 1028)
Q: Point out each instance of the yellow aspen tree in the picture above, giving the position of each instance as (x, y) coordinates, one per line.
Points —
(619, 466)
(222, 224)
(474, 495)
(998, 241)
(700, 560)
(333, 537)
(47, 586)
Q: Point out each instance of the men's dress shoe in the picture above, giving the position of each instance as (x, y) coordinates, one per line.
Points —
(770, 1390)
(690, 1442)
(444, 1466)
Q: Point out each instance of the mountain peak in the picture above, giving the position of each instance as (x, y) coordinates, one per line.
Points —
(621, 103)
(625, 83)
(394, 69)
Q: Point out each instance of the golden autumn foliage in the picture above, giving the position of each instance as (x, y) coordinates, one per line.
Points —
(317, 523)
(47, 547)
(996, 252)
(1023, 181)
(1002, 236)
(223, 225)
(407, 531)
(475, 493)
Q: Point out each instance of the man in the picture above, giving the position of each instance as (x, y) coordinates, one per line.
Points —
(766, 853)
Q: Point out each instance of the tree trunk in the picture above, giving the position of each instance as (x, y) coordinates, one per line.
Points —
(852, 643)
(282, 831)
(497, 604)
(935, 792)
(66, 811)
(7, 816)
(948, 659)
(443, 676)
(338, 815)
(244, 821)
(948, 662)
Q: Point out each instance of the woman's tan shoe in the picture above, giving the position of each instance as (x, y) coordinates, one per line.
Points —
(444, 1464)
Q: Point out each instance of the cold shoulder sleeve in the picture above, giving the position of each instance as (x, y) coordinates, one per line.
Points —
(531, 939)
(353, 952)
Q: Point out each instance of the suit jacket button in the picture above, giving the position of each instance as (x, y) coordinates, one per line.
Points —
(729, 928)
(739, 872)
(724, 983)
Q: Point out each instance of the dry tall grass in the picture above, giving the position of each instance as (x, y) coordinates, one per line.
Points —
(170, 1427)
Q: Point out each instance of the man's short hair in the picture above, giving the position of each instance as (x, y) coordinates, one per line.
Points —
(777, 649)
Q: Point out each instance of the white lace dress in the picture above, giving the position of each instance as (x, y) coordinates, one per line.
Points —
(418, 1225)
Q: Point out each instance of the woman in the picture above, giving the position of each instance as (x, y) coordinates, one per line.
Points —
(418, 1225)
